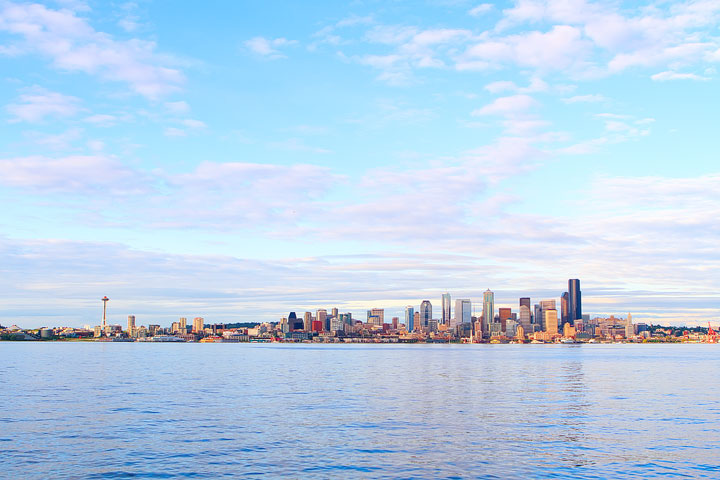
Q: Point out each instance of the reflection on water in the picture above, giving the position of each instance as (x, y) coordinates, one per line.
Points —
(87, 410)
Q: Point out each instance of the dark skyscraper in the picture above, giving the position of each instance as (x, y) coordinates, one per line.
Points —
(574, 300)
(564, 314)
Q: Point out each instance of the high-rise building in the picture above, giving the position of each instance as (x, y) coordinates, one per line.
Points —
(537, 316)
(505, 314)
(574, 300)
(376, 316)
(418, 323)
(488, 309)
(409, 318)
(445, 320)
(131, 324)
(425, 313)
(564, 314)
(463, 311)
(525, 301)
(307, 321)
(525, 318)
(395, 321)
(321, 316)
(295, 322)
(551, 320)
(183, 325)
(198, 325)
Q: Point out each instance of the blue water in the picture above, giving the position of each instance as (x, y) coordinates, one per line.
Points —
(95, 411)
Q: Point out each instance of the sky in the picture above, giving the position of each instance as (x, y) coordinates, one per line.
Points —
(239, 160)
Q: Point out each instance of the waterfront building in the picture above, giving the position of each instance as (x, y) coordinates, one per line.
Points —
(182, 325)
(574, 300)
(488, 315)
(425, 313)
(551, 320)
(520, 332)
(131, 324)
(445, 320)
(198, 325)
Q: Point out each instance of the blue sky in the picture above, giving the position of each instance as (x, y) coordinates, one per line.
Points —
(239, 160)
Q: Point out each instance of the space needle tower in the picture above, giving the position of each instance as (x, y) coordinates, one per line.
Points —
(104, 322)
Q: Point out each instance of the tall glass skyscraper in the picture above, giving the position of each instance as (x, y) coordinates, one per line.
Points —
(574, 300)
(445, 309)
(410, 318)
(463, 311)
(488, 310)
(425, 313)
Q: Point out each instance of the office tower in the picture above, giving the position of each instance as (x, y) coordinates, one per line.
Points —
(564, 314)
(334, 312)
(505, 314)
(295, 322)
(488, 309)
(182, 325)
(198, 325)
(574, 300)
(409, 318)
(175, 327)
(307, 321)
(445, 320)
(425, 313)
(321, 316)
(395, 321)
(520, 330)
(376, 316)
(537, 316)
(463, 311)
(525, 318)
(418, 323)
(551, 321)
(131, 324)
(525, 301)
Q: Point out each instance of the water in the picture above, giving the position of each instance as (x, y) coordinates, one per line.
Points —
(95, 411)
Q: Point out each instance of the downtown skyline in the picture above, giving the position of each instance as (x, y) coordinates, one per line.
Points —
(239, 161)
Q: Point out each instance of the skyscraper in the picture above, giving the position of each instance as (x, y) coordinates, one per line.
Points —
(182, 326)
(425, 313)
(410, 318)
(574, 300)
(551, 320)
(488, 309)
(321, 316)
(198, 325)
(505, 314)
(445, 309)
(463, 311)
(131, 324)
(307, 321)
(564, 314)
(376, 316)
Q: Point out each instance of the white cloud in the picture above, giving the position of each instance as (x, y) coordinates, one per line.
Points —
(481, 9)
(38, 103)
(73, 45)
(592, 98)
(507, 105)
(268, 48)
(670, 75)
(86, 174)
(174, 132)
(102, 120)
(191, 123)
(177, 107)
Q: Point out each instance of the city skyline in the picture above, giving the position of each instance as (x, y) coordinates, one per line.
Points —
(237, 160)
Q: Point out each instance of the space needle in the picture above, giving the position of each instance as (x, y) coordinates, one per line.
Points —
(104, 322)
